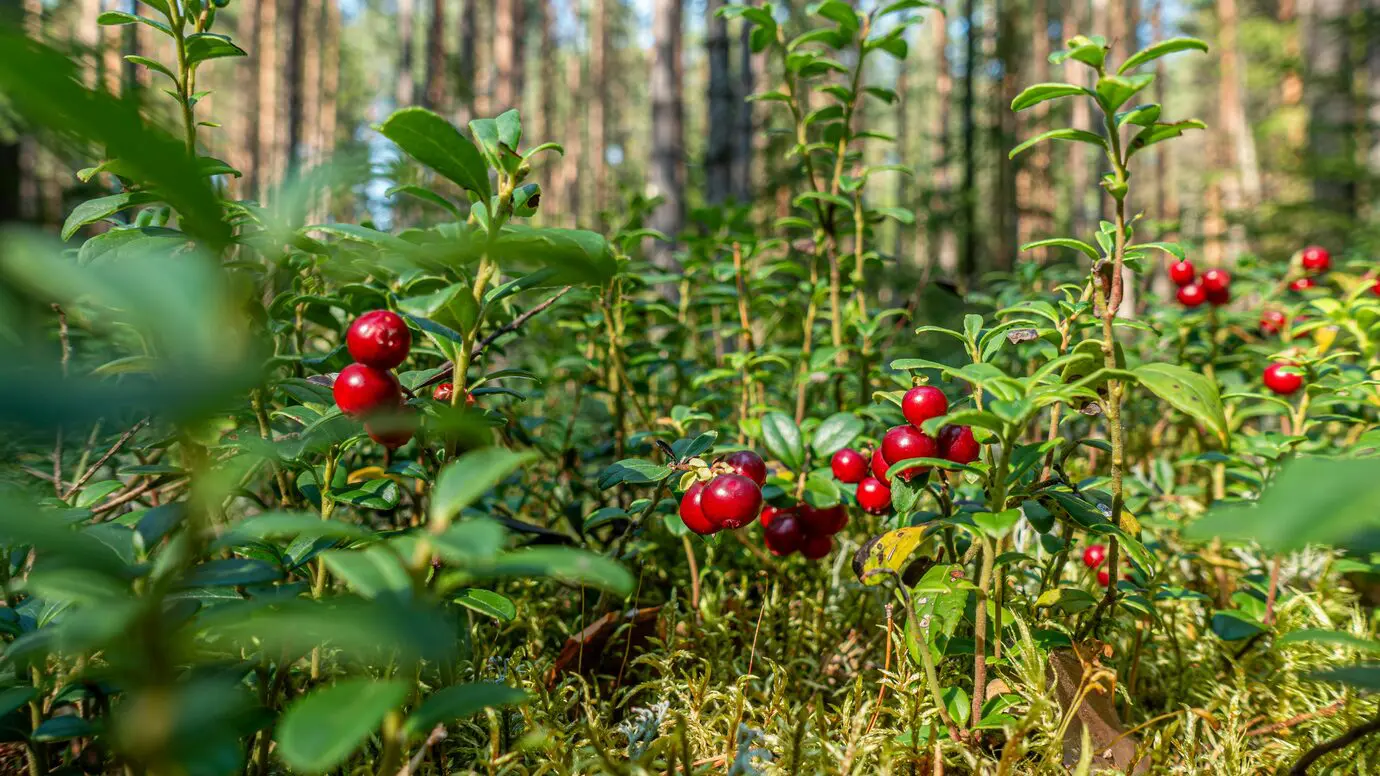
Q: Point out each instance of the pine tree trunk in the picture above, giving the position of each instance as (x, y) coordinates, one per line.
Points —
(943, 238)
(718, 153)
(968, 261)
(546, 55)
(1330, 137)
(1079, 167)
(743, 132)
(404, 95)
(599, 105)
(266, 105)
(668, 134)
(1033, 184)
(110, 50)
(297, 86)
(435, 91)
(467, 80)
(573, 163)
(311, 84)
(330, 93)
(505, 54)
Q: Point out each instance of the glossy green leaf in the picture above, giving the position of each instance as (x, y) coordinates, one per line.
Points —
(1038, 93)
(1187, 391)
(835, 433)
(783, 440)
(1074, 135)
(1162, 48)
(320, 730)
(436, 143)
(460, 701)
(470, 476)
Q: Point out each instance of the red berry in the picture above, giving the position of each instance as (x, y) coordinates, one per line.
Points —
(691, 512)
(922, 403)
(1093, 555)
(902, 443)
(1283, 378)
(361, 389)
(748, 464)
(1219, 297)
(956, 443)
(817, 546)
(874, 496)
(1375, 288)
(879, 466)
(1315, 258)
(1182, 272)
(1215, 280)
(1192, 295)
(1104, 578)
(444, 392)
(1272, 322)
(823, 520)
(848, 465)
(379, 338)
(769, 513)
(784, 535)
(1302, 284)
(392, 430)
(731, 500)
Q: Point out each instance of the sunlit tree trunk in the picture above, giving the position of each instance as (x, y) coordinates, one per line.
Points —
(599, 103)
(434, 94)
(505, 54)
(1330, 137)
(1080, 170)
(744, 132)
(668, 133)
(111, 42)
(576, 140)
(266, 105)
(546, 56)
(1033, 185)
(969, 240)
(466, 81)
(943, 240)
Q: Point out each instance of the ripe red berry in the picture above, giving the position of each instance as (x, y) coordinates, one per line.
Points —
(817, 546)
(1375, 288)
(1283, 378)
(392, 430)
(874, 496)
(1191, 295)
(1303, 284)
(748, 464)
(1215, 280)
(1182, 272)
(823, 520)
(444, 392)
(784, 534)
(379, 338)
(692, 512)
(922, 403)
(848, 465)
(956, 443)
(361, 389)
(769, 513)
(1219, 297)
(1315, 258)
(1093, 555)
(731, 500)
(1272, 322)
(1104, 578)
(902, 443)
(879, 466)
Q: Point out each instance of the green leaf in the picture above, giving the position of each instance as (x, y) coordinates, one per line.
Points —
(997, 524)
(436, 143)
(202, 46)
(62, 728)
(487, 602)
(577, 255)
(101, 208)
(1233, 625)
(783, 440)
(232, 572)
(1366, 677)
(841, 13)
(1335, 638)
(566, 564)
(835, 433)
(1156, 50)
(1160, 132)
(425, 195)
(1113, 91)
(460, 701)
(634, 471)
(319, 731)
(1312, 500)
(1188, 392)
(114, 18)
(283, 525)
(13, 698)
(1076, 135)
(1038, 93)
(371, 572)
(470, 476)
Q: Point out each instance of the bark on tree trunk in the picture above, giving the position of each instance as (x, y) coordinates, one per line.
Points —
(743, 132)
(434, 95)
(1329, 108)
(505, 54)
(668, 135)
(406, 87)
(266, 103)
(968, 267)
(467, 80)
(718, 153)
(941, 229)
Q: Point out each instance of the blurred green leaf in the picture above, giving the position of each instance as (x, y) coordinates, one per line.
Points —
(319, 731)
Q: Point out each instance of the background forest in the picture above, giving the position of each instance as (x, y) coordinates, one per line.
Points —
(648, 99)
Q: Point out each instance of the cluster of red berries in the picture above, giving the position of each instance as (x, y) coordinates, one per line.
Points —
(903, 443)
(802, 528)
(1315, 260)
(730, 500)
(1213, 286)
(1093, 557)
(378, 341)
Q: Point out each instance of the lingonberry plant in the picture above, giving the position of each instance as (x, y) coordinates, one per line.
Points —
(472, 493)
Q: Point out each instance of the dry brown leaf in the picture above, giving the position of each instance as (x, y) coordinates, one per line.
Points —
(1079, 674)
(594, 650)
